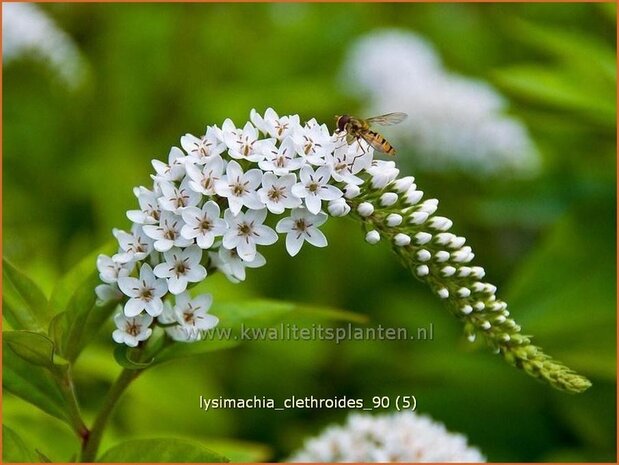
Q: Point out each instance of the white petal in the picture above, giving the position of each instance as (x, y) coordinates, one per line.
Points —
(246, 250)
(177, 285)
(293, 243)
(163, 270)
(129, 286)
(196, 274)
(316, 237)
(313, 203)
(285, 225)
(154, 307)
(134, 307)
(265, 235)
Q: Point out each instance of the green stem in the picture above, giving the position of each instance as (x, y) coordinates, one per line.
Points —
(65, 381)
(91, 443)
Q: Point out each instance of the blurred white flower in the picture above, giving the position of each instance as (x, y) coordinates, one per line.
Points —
(133, 330)
(397, 437)
(27, 29)
(454, 122)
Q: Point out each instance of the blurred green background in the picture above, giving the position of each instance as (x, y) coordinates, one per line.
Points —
(154, 72)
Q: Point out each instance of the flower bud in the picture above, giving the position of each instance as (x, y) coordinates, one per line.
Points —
(423, 270)
(382, 172)
(365, 209)
(372, 237)
(351, 191)
(401, 239)
(403, 184)
(388, 199)
(338, 207)
(394, 220)
(413, 195)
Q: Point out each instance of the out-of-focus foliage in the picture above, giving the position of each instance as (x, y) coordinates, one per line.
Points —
(71, 157)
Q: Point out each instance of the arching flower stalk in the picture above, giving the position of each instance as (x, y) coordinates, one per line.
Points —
(207, 210)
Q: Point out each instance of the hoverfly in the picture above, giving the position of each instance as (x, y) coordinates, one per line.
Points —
(357, 128)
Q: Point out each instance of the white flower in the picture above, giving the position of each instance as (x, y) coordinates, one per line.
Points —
(282, 159)
(181, 267)
(133, 246)
(274, 125)
(174, 199)
(203, 178)
(110, 270)
(314, 188)
(382, 172)
(202, 149)
(108, 293)
(168, 233)
(276, 192)
(395, 437)
(243, 144)
(240, 188)
(348, 160)
(245, 231)
(149, 207)
(174, 170)
(145, 292)
(230, 264)
(338, 207)
(203, 224)
(132, 330)
(454, 122)
(313, 142)
(302, 226)
(27, 29)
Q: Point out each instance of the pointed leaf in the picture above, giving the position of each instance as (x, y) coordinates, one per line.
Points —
(25, 305)
(161, 450)
(35, 348)
(14, 448)
(83, 318)
(72, 280)
(33, 384)
(125, 357)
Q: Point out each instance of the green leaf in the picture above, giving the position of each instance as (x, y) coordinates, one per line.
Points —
(69, 284)
(258, 313)
(557, 89)
(160, 451)
(35, 348)
(123, 356)
(83, 319)
(33, 384)
(588, 54)
(25, 305)
(14, 449)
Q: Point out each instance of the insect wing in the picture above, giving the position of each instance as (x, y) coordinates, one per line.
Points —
(373, 140)
(387, 120)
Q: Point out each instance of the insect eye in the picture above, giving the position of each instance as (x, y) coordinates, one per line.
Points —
(341, 122)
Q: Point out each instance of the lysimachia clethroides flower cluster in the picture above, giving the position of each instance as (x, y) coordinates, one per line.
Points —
(232, 190)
